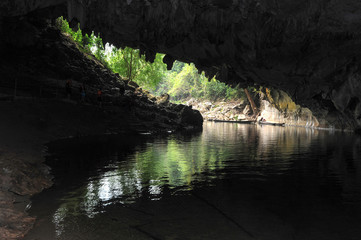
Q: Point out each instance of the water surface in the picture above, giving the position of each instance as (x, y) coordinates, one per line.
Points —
(232, 181)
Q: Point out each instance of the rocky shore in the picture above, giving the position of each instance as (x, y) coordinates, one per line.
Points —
(29, 124)
(273, 106)
(36, 110)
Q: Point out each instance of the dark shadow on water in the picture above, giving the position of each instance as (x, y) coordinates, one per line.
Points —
(232, 181)
(75, 158)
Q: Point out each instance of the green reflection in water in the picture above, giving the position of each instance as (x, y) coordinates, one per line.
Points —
(178, 163)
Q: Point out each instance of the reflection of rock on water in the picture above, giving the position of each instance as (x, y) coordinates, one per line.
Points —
(285, 140)
(277, 179)
(344, 162)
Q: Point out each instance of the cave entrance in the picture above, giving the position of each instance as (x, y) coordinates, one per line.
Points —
(181, 83)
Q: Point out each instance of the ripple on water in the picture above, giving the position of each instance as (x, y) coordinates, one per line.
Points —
(231, 181)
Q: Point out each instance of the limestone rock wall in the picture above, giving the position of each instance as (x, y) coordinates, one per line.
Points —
(309, 49)
(277, 106)
(23, 7)
(37, 109)
(281, 108)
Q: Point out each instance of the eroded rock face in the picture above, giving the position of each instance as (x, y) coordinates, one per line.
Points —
(310, 49)
(277, 106)
(35, 73)
(273, 106)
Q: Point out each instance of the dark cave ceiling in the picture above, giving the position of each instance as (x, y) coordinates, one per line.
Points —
(311, 49)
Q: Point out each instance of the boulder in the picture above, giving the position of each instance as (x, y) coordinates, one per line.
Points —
(188, 116)
(247, 110)
(163, 99)
(133, 84)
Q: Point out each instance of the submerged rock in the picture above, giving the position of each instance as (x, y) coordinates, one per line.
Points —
(17, 223)
(20, 178)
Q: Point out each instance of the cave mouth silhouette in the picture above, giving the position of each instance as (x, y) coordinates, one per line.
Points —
(310, 51)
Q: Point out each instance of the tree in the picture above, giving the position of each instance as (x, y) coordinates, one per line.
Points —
(129, 63)
(253, 105)
(183, 81)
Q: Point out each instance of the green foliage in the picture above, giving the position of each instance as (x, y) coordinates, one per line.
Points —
(128, 62)
(97, 47)
(178, 66)
(85, 42)
(182, 82)
(152, 73)
(63, 25)
(78, 36)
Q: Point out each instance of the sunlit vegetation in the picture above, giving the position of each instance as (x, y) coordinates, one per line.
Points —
(182, 82)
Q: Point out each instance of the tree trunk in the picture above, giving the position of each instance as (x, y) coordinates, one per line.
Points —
(253, 105)
(131, 66)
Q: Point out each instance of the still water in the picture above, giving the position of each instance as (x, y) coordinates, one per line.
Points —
(232, 181)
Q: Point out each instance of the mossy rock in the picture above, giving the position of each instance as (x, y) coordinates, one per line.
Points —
(284, 102)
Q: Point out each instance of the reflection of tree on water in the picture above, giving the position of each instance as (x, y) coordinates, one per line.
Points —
(162, 167)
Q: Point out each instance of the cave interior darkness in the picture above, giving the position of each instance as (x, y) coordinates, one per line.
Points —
(311, 50)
